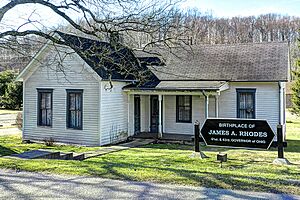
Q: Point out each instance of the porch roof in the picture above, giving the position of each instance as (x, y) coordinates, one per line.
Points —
(183, 86)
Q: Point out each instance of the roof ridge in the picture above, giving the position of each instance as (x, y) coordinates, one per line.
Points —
(244, 43)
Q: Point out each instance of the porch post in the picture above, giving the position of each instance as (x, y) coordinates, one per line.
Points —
(160, 116)
(206, 105)
(128, 115)
(217, 106)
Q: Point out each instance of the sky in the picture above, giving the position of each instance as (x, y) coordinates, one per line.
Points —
(218, 8)
(231, 8)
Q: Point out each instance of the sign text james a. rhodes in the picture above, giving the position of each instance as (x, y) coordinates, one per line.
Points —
(244, 133)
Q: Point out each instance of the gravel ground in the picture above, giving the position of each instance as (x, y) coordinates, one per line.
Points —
(9, 131)
(7, 119)
(25, 185)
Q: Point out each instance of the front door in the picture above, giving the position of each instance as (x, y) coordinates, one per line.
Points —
(137, 114)
(154, 114)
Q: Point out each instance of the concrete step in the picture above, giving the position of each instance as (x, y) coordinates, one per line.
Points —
(78, 156)
(49, 154)
(66, 156)
(35, 154)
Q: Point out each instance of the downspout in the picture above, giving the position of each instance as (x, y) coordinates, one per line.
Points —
(282, 109)
(279, 117)
(23, 112)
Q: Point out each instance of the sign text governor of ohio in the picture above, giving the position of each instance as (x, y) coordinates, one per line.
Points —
(245, 133)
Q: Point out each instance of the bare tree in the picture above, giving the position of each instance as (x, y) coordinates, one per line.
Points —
(125, 24)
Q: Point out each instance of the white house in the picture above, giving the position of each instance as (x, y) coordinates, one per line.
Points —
(71, 97)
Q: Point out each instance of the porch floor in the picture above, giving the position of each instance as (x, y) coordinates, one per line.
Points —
(165, 136)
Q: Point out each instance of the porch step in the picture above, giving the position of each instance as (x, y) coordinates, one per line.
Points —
(48, 154)
(78, 156)
(66, 156)
(35, 154)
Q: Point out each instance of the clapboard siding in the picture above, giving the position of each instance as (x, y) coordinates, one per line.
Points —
(212, 107)
(170, 124)
(114, 113)
(145, 113)
(267, 101)
(76, 76)
(267, 106)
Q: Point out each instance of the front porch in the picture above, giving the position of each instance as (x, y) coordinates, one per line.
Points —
(170, 113)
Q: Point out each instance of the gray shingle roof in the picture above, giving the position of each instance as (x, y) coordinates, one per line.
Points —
(234, 62)
(184, 85)
(189, 85)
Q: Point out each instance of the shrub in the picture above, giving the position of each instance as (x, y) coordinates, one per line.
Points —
(12, 98)
(11, 92)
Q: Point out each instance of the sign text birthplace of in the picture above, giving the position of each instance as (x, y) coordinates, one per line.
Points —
(237, 133)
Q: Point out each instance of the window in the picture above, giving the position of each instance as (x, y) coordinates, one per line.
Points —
(74, 109)
(44, 107)
(246, 103)
(184, 109)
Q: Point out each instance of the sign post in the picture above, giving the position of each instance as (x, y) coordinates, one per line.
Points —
(280, 141)
(197, 136)
(280, 159)
(240, 133)
(197, 152)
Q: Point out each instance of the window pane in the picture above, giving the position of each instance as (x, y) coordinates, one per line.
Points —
(184, 108)
(48, 100)
(75, 106)
(181, 113)
(72, 101)
(243, 113)
(49, 118)
(44, 117)
(45, 107)
(78, 119)
(78, 101)
(72, 119)
(249, 101)
(186, 100)
(242, 101)
(246, 105)
(43, 101)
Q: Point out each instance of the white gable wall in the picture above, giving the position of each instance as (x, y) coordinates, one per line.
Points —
(170, 124)
(114, 112)
(77, 76)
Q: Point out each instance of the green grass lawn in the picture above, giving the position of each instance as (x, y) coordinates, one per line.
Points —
(13, 144)
(169, 163)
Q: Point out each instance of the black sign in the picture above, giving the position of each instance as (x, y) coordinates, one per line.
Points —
(237, 133)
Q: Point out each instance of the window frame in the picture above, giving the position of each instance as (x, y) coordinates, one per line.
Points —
(177, 109)
(39, 113)
(68, 117)
(252, 91)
